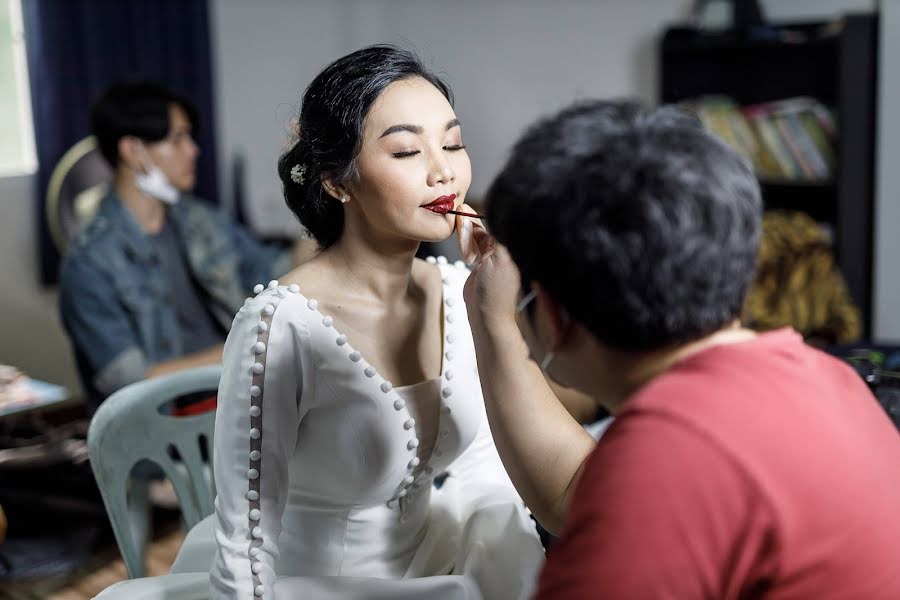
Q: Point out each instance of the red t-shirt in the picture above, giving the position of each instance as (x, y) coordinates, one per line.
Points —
(763, 469)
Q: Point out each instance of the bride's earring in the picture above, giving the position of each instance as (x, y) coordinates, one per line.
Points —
(344, 199)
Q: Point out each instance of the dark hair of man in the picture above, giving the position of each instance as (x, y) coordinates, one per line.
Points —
(642, 225)
(139, 109)
(331, 120)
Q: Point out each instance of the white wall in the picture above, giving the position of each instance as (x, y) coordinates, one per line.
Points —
(31, 336)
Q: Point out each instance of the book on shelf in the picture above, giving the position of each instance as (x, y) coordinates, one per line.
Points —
(791, 140)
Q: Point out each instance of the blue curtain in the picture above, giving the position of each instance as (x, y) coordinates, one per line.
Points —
(78, 47)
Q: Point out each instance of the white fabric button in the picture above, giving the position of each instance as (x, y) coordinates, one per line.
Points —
(255, 455)
(252, 495)
(408, 479)
(446, 392)
(257, 532)
(294, 288)
(412, 444)
(341, 340)
(273, 284)
(450, 318)
(263, 327)
(460, 264)
(254, 434)
(259, 591)
(414, 463)
(255, 391)
(448, 375)
(254, 552)
(392, 503)
(431, 260)
(255, 411)
(252, 474)
(355, 356)
(442, 260)
(370, 372)
(386, 387)
(449, 354)
(259, 347)
(399, 404)
(451, 338)
(401, 494)
(312, 304)
(447, 410)
(258, 368)
(258, 288)
(410, 423)
(254, 514)
(269, 310)
(256, 568)
(327, 321)
(451, 301)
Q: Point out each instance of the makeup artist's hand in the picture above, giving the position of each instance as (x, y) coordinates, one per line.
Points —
(492, 289)
(465, 228)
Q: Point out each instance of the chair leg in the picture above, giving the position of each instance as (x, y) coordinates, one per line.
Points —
(138, 508)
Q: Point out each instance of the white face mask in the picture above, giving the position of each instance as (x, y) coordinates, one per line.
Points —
(155, 183)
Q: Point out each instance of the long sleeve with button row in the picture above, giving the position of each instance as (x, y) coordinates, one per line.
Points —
(258, 416)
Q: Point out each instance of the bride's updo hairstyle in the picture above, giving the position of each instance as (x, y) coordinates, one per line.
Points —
(330, 129)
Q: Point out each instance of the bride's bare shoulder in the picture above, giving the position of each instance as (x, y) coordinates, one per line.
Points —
(311, 277)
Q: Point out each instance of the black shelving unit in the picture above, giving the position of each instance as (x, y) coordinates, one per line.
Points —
(835, 65)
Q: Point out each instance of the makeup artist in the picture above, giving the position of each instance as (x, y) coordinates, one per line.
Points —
(740, 464)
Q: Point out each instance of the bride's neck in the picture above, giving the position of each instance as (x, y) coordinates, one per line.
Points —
(371, 267)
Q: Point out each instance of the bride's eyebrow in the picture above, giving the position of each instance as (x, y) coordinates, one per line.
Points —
(401, 127)
(417, 129)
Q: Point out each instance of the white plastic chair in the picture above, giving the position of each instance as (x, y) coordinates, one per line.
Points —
(128, 428)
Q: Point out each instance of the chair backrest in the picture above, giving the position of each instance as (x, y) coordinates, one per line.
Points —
(128, 428)
(78, 183)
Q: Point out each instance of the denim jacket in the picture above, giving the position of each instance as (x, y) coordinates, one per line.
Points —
(114, 296)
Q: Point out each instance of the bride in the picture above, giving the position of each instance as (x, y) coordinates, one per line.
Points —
(350, 387)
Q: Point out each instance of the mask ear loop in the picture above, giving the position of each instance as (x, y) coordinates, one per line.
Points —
(567, 327)
(144, 161)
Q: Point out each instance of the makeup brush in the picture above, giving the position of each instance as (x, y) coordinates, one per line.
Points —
(464, 214)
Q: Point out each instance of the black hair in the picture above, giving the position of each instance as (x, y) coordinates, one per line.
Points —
(642, 225)
(330, 124)
(140, 109)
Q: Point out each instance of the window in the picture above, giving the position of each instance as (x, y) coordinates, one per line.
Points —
(17, 154)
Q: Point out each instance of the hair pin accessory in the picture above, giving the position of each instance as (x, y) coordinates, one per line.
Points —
(298, 174)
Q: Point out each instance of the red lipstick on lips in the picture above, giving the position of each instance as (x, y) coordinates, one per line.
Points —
(441, 205)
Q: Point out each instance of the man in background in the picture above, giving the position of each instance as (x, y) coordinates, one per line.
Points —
(152, 283)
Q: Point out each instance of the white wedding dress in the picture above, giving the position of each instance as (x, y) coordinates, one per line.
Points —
(325, 472)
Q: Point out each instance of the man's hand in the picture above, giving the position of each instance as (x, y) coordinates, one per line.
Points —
(492, 289)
